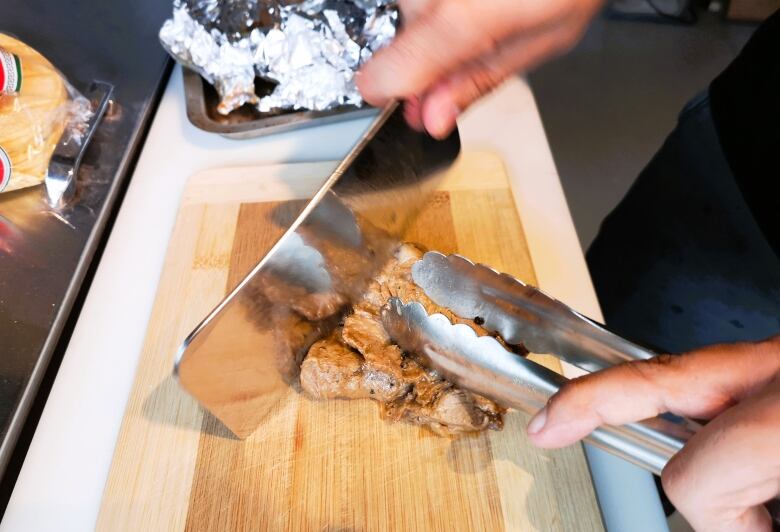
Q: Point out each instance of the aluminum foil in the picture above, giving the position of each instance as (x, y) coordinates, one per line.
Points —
(310, 50)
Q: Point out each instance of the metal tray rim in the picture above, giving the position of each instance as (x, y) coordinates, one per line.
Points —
(198, 116)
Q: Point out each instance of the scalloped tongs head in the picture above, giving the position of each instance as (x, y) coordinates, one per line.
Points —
(521, 313)
(482, 365)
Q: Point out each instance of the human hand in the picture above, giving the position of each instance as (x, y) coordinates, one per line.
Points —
(726, 471)
(451, 52)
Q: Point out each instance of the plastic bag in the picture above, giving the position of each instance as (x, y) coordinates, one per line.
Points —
(38, 109)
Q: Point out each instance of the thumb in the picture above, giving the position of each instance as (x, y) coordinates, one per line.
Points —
(698, 384)
(721, 478)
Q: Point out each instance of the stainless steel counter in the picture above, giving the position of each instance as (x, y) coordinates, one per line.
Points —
(44, 255)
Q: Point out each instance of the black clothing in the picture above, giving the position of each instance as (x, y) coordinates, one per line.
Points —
(745, 102)
(682, 262)
(691, 256)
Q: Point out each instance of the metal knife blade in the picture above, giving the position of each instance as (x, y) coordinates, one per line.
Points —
(243, 358)
(520, 313)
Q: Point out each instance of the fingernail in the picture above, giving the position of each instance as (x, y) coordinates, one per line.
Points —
(537, 422)
(441, 119)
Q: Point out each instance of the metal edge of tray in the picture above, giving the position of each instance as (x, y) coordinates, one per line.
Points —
(279, 123)
(77, 281)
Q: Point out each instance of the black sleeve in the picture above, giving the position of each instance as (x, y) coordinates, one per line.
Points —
(745, 102)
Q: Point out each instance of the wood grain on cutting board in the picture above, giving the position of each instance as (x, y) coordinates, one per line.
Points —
(325, 465)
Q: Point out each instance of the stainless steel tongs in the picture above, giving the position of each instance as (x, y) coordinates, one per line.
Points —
(521, 314)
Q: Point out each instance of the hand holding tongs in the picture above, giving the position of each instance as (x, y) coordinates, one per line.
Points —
(521, 314)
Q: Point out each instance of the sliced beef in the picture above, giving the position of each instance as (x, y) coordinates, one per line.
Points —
(333, 370)
(359, 360)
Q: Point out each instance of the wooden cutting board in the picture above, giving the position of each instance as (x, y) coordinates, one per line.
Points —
(325, 465)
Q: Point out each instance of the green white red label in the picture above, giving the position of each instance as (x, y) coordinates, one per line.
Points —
(10, 73)
(5, 169)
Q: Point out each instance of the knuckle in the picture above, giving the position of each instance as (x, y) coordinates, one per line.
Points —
(570, 38)
(768, 350)
(493, 46)
(572, 388)
(397, 55)
(772, 345)
(648, 370)
(774, 340)
(645, 370)
(560, 398)
(664, 360)
(453, 16)
(467, 22)
(571, 393)
(474, 84)
(487, 80)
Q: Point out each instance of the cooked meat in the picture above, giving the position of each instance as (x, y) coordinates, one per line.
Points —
(395, 280)
(453, 412)
(313, 306)
(349, 266)
(351, 252)
(359, 360)
(295, 336)
(333, 370)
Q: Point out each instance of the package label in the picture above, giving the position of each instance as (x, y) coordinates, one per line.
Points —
(5, 169)
(10, 73)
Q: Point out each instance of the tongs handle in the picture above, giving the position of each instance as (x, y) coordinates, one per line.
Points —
(60, 181)
(649, 444)
(521, 313)
(481, 364)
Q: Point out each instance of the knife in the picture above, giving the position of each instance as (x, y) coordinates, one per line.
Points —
(242, 360)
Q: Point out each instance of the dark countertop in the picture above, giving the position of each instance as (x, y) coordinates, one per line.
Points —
(43, 262)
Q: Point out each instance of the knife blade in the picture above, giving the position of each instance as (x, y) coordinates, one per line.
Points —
(242, 359)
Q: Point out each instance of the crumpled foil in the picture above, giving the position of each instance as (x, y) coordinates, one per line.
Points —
(310, 50)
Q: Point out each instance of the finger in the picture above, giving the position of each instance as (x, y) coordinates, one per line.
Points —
(699, 384)
(442, 104)
(411, 9)
(413, 113)
(445, 36)
(724, 474)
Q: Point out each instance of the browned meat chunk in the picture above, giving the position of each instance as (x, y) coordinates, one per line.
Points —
(359, 361)
(333, 370)
(312, 306)
(294, 338)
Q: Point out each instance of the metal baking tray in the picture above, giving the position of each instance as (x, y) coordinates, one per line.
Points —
(247, 122)
(46, 255)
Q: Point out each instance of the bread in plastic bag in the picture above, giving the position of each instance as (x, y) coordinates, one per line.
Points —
(38, 110)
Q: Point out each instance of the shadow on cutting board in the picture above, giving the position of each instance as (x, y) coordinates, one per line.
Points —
(168, 391)
(527, 498)
(469, 456)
